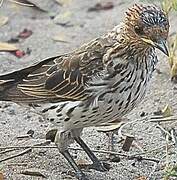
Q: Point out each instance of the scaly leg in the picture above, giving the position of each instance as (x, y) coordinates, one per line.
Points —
(79, 174)
(62, 140)
(97, 165)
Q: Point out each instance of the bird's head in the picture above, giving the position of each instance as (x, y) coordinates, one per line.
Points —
(148, 25)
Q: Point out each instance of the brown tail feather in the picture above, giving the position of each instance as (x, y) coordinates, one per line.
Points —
(9, 82)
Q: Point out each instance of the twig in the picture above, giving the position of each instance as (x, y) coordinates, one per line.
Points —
(38, 145)
(1, 3)
(162, 119)
(79, 149)
(138, 157)
(22, 4)
(120, 134)
(24, 147)
(123, 126)
(155, 149)
(171, 133)
(33, 173)
(23, 136)
(51, 147)
(153, 169)
(18, 164)
(6, 151)
(173, 136)
(128, 143)
(163, 131)
(167, 149)
(135, 143)
(16, 155)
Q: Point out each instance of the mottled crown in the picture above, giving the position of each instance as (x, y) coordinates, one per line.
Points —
(147, 20)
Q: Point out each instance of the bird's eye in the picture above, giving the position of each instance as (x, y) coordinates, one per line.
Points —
(139, 30)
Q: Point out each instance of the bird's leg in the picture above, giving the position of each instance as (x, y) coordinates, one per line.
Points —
(62, 140)
(97, 165)
(79, 174)
(110, 141)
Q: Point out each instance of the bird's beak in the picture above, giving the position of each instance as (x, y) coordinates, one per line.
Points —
(161, 45)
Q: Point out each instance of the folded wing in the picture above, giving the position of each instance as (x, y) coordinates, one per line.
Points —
(55, 79)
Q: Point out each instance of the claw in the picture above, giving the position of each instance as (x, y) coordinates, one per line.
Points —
(81, 176)
(101, 166)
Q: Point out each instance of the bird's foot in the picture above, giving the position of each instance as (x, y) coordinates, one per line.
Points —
(101, 166)
(81, 176)
(98, 166)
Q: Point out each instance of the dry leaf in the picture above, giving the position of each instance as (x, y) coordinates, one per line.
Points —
(81, 162)
(22, 3)
(34, 172)
(63, 2)
(101, 6)
(109, 127)
(167, 111)
(141, 178)
(60, 38)
(7, 47)
(25, 34)
(3, 20)
(1, 176)
(63, 18)
(28, 3)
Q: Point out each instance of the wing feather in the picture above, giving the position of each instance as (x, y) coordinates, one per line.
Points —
(56, 79)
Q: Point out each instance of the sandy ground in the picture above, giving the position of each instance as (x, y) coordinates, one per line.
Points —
(16, 120)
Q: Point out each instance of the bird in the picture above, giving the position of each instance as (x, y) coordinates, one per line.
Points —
(99, 82)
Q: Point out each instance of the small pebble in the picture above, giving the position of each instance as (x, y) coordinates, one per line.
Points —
(30, 132)
(142, 114)
(114, 158)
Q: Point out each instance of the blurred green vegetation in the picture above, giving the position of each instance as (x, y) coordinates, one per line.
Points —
(171, 172)
(169, 6)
